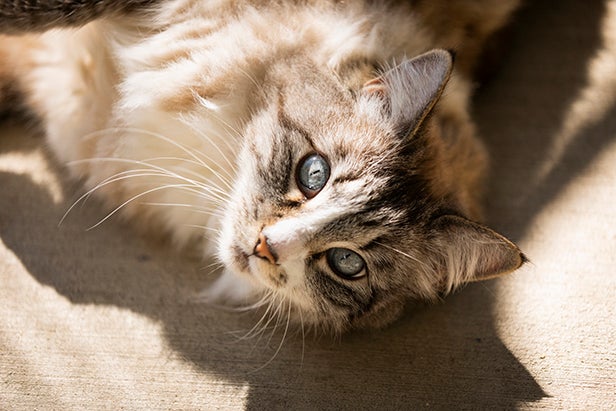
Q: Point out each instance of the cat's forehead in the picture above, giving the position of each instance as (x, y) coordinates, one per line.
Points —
(319, 105)
(337, 126)
(314, 101)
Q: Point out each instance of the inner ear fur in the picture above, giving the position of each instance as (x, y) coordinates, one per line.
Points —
(410, 90)
(470, 251)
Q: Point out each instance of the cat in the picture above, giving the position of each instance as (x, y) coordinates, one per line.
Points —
(322, 151)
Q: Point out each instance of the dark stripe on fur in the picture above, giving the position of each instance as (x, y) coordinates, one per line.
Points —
(338, 293)
(19, 16)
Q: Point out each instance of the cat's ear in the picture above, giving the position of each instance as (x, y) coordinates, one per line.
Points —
(472, 252)
(410, 90)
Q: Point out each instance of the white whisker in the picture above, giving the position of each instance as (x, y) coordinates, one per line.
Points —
(166, 173)
(108, 180)
(421, 263)
(216, 265)
(272, 315)
(195, 209)
(226, 180)
(212, 143)
(147, 173)
(279, 313)
(133, 198)
(147, 133)
(194, 154)
(254, 331)
(233, 135)
(301, 321)
(203, 227)
(282, 340)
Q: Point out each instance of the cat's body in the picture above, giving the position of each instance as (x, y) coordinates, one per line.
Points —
(287, 132)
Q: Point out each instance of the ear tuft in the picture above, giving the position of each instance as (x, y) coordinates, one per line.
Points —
(473, 252)
(410, 90)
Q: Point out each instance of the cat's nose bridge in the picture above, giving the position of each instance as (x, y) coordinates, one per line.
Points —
(281, 242)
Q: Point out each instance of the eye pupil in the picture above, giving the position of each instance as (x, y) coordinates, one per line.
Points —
(345, 263)
(312, 175)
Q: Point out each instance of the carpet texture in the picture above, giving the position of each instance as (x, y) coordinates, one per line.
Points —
(103, 319)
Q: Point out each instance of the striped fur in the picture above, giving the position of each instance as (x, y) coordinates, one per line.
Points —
(195, 118)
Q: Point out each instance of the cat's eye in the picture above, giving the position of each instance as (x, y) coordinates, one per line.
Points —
(346, 263)
(312, 174)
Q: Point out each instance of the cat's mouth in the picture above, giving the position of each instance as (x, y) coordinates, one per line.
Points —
(268, 274)
(257, 267)
(264, 262)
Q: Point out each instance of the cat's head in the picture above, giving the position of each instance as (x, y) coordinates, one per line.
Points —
(341, 210)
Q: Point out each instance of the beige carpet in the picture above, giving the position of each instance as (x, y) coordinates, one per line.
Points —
(102, 319)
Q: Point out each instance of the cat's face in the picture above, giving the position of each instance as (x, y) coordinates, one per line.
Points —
(334, 211)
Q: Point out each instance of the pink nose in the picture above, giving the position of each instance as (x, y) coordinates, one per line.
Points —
(263, 250)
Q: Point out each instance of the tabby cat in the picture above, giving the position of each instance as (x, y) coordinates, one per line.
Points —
(321, 150)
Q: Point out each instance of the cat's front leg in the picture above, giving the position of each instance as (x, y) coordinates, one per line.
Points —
(69, 85)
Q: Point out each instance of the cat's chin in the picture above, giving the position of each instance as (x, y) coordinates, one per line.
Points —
(233, 290)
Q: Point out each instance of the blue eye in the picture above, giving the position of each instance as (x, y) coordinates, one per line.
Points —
(312, 174)
(346, 263)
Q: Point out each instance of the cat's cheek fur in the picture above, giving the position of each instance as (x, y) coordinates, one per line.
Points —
(381, 315)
